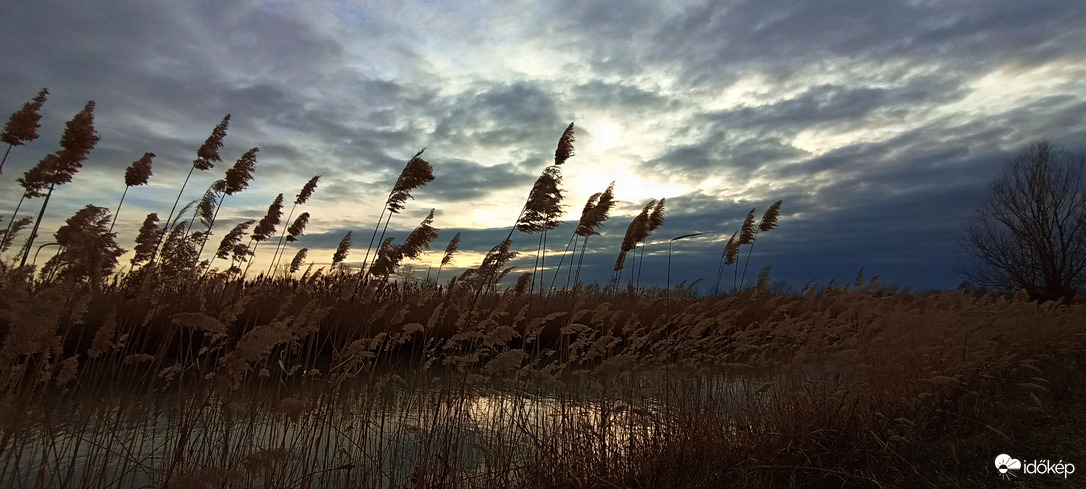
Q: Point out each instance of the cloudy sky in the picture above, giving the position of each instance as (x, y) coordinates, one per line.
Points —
(880, 124)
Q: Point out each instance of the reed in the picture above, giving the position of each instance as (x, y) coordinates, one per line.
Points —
(303, 196)
(22, 126)
(58, 168)
(206, 156)
(138, 173)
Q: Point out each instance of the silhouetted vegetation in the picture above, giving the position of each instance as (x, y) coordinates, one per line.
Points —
(1031, 231)
(177, 374)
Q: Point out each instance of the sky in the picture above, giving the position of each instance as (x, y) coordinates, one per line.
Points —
(880, 125)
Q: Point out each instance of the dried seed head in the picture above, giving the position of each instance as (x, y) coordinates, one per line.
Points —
(23, 125)
(451, 249)
(139, 172)
(307, 190)
(342, 250)
(296, 230)
(208, 154)
(266, 226)
(746, 234)
(299, 258)
(769, 220)
(232, 239)
(147, 240)
(416, 173)
(565, 146)
(238, 176)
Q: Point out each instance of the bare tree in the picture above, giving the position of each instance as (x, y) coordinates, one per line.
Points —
(1030, 233)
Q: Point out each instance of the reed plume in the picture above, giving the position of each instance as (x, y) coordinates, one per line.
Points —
(522, 283)
(138, 173)
(543, 209)
(638, 227)
(22, 126)
(420, 238)
(727, 257)
(450, 250)
(297, 229)
(307, 190)
(205, 157)
(237, 179)
(209, 204)
(147, 239)
(266, 227)
(15, 226)
(342, 250)
(763, 279)
(635, 232)
(232, 239)
(78, 140)
(415, 174)
(731, 250)
(301, 198)
(208, 154)
(746, 233)
(454, 243)
(239, 176)
(654, 220)
(299, 258)
(88, 250)
(769, 221)
(34, 183)
(389, 255)
(596, 210)
(565, 146)
(491, 271)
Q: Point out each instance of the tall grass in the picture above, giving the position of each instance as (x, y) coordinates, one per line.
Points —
(283, 383)
(163, 377)
(22, 126)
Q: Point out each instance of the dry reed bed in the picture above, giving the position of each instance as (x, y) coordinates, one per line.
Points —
(326, 381)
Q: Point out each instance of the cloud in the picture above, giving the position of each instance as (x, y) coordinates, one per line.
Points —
(879, 125)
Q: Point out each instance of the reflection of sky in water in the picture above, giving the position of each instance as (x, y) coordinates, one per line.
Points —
(412, 424)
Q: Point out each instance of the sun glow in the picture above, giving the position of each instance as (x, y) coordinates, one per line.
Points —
(606, 134)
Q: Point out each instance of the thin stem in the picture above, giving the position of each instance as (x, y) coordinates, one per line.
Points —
(169, 218)
(34, 232)
(5, 160)
(747, 262)
(119, 204)
(275, 259)
(577, 278)
(7, 238)
(379, 219)
(208, 233)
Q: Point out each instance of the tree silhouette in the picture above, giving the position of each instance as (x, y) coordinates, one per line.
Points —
(1030, 232)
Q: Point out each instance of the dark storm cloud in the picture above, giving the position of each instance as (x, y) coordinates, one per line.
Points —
(734, 159)
(521, 115)
(600, 94)
(351, 92)
(720, 38)
(459, 180)
(833, 103)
